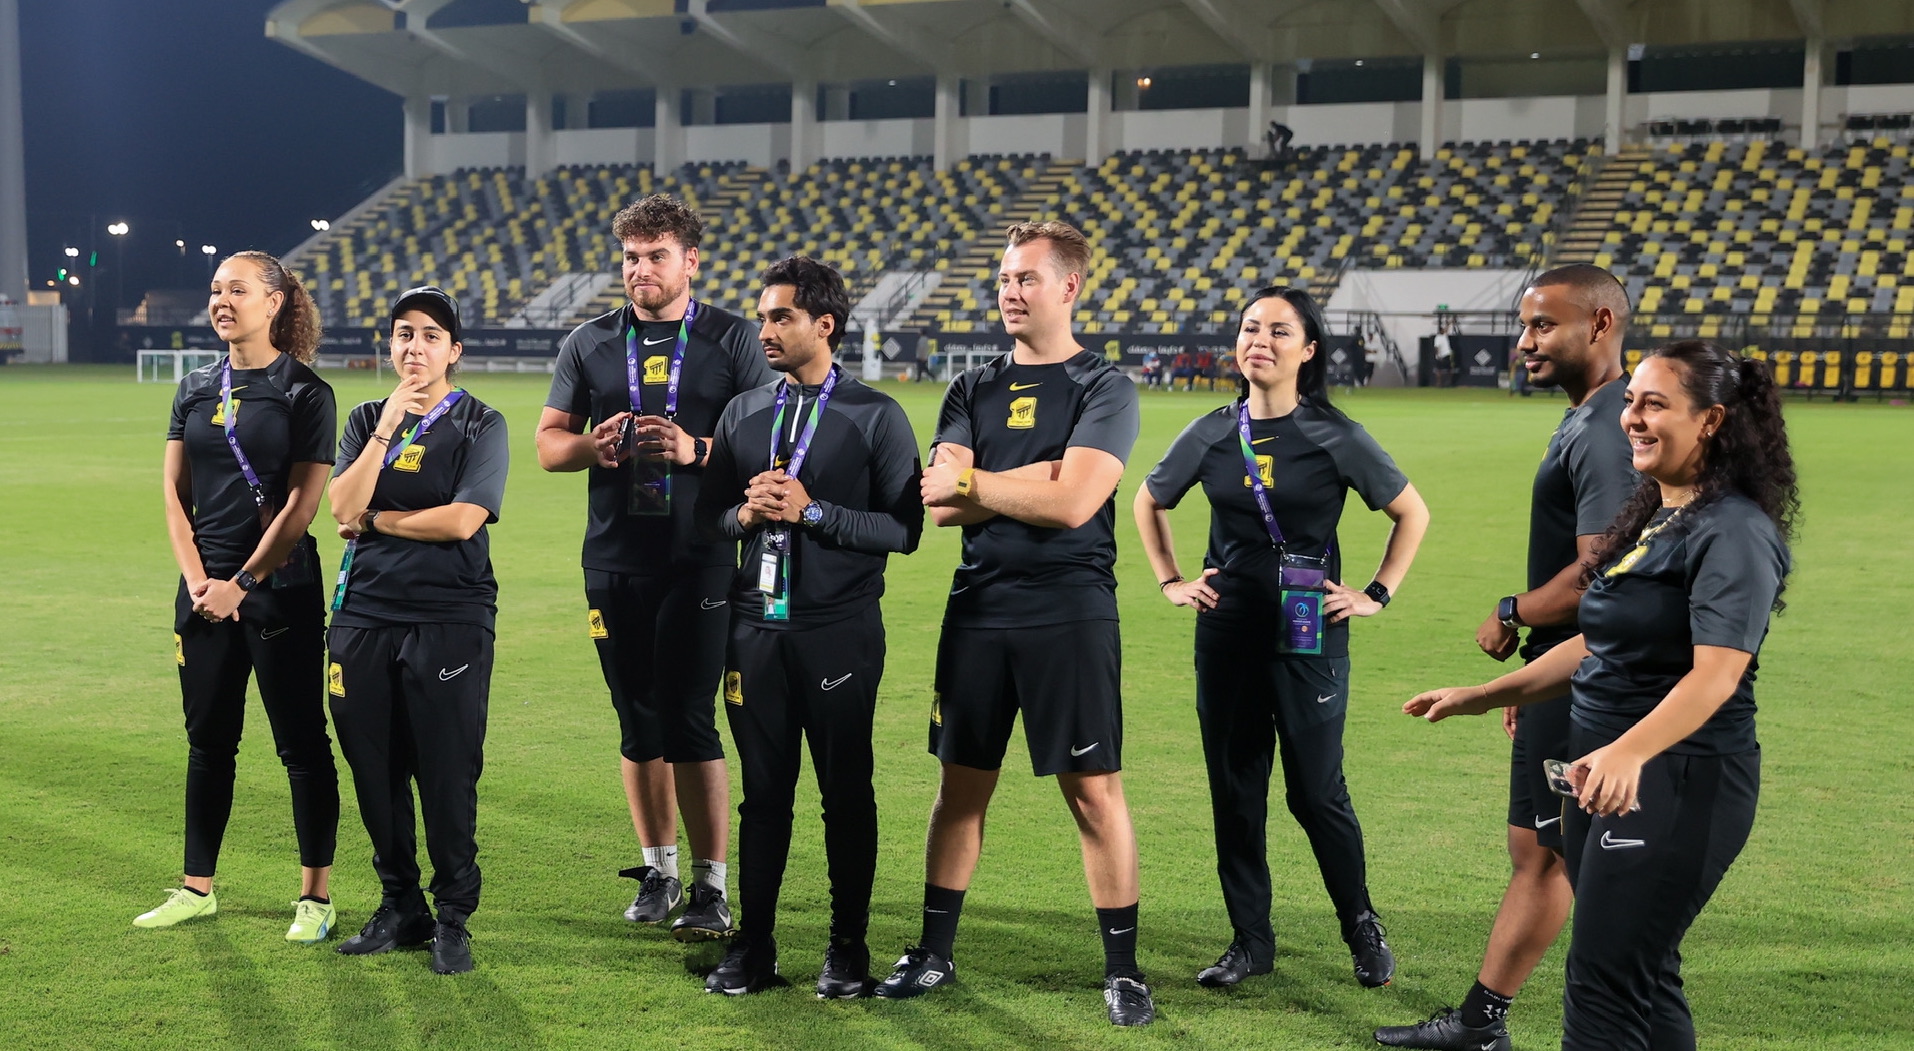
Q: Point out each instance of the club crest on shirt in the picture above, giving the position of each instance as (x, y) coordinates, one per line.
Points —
(1628, 561)
(936, 708)
(1266, 470)
(219, 413)
(1023, 414)
(658, 369)
(335, 679)
(595, 625)
(734, 688)
(410, 459)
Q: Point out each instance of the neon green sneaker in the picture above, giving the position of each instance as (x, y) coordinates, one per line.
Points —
(311, 921)
(181, 904)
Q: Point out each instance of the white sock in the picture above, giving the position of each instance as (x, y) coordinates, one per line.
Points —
(664, 859)
(709, 873)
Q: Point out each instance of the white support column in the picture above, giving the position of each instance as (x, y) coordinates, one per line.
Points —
(13, 181)
(1096, 134)
(1812, 77)
(668, 133)
(1613, 131)
(944, 147)
(805, 139)
(1431, 137)
(418, 136)
(1258, 106)
(541, 154)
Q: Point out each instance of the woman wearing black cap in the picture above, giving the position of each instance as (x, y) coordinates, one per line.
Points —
(1272, 638)
(1665, 766)
(420, 475)
(246, 458)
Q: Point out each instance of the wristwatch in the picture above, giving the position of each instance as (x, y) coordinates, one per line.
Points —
(1376, 591)
(965, 480)
(367, 519)
(1505, 612)
(245, 580)
(699, 448)
(812, 514)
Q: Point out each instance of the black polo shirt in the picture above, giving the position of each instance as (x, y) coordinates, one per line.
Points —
(284, 414)
(461, 460)
(1014, 574)
(1707, 577)
(862, 469)
(722, 359)
(1580, 487)
(1309, 460)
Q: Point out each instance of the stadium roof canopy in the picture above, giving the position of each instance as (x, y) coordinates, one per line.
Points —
(417, 48)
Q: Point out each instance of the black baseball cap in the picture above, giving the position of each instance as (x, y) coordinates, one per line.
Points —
(437, 305)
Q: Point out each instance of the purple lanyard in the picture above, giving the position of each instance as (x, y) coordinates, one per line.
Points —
(1256, 486)
(632, 378)
(232, 440)
(803, 447)
(425, 424)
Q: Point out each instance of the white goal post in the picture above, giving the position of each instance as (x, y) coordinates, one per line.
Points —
(168, 366)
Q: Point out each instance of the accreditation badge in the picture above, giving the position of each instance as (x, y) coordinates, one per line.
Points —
(1302, 581)
(774, 576)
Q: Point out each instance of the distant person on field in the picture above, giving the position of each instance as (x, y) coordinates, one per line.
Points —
(816, 476)
(421, 475)
(1663, 762)
(1272, 631)
(1573, 319)
(1026, 460)
(1444, 353)
(634, 401)
(1152, 367)
(247, 452)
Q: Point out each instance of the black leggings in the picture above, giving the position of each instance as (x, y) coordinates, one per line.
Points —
(1640, 880)
(1254, 706)
(279, 642)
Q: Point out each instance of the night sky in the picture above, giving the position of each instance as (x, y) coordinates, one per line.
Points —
(180, 118)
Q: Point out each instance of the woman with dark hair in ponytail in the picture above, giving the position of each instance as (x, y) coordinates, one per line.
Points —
(1272, 635)
(1661, 686)
(247, 453)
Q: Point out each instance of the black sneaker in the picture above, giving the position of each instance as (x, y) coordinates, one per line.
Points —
(1232, 967)
(451, 949)
(747, 968)
(658, 894)
(1444, 1031)
(917, 972)
(1375, 964)
(1129, 1000)
(706, 916)
(389, 929)
(847, 970)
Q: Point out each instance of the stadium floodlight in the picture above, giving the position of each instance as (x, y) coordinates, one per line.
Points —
(208, 249)
(72, 253)
(1143, 83)
(118, 229)
(73, 280)
(181, 245)
(1535, 54)
(321, 225)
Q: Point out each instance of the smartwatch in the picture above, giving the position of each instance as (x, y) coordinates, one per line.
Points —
(1505, 612)
(245, 580)
(369, 518)
(812, 514)
(1376, 591)
(699, 449)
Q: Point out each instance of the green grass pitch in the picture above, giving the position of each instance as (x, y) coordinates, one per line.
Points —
(1808, 944)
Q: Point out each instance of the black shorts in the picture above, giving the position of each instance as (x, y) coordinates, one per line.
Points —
(1066, 678)
(661, 642)
(1541, 732)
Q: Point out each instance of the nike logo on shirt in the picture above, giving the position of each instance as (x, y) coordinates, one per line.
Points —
(1539, 823)
(1325, 698)
(1611, 841)
(1024, 386)
(275, 633)
(832, 684)
(1260, 441)
(705, 603)
(447, 676)
(667, 339)
(1085, 748)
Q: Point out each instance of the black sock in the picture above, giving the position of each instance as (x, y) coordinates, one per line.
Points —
(942, 908)
(315, 897)
(201, 893)
(1484, 1007)
(1118, 927)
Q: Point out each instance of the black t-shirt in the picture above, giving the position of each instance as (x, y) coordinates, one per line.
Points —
(1013, 574)
(399, 581)
(1707, 577)
(862, 469)
(722, 359)
(1580, 487)
(1309, 461)
(283, 414)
